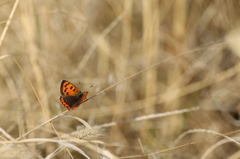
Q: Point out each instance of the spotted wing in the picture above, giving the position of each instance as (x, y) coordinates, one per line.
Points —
(68, 89)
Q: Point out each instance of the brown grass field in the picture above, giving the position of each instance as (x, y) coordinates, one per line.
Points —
(165, 79)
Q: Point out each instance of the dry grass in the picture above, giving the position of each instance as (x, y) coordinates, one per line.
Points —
(171, 69)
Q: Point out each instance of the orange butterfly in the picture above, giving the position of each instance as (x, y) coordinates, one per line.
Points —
(71, 96)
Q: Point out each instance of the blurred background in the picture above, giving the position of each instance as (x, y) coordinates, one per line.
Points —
(195, 44)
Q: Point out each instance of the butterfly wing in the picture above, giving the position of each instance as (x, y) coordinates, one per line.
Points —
(64, 102)
(81, 97)
(72, 102)
(68, 101)
(68, 89)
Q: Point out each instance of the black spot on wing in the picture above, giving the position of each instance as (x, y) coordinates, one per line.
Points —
(66, 84)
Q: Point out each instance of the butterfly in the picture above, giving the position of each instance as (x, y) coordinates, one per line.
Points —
(71, 96)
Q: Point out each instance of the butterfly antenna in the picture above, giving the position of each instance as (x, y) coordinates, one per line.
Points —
(90, 87)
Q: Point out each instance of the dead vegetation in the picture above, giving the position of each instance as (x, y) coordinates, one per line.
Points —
(175, 65)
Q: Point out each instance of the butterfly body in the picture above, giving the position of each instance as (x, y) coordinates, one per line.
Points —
(71, 96)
